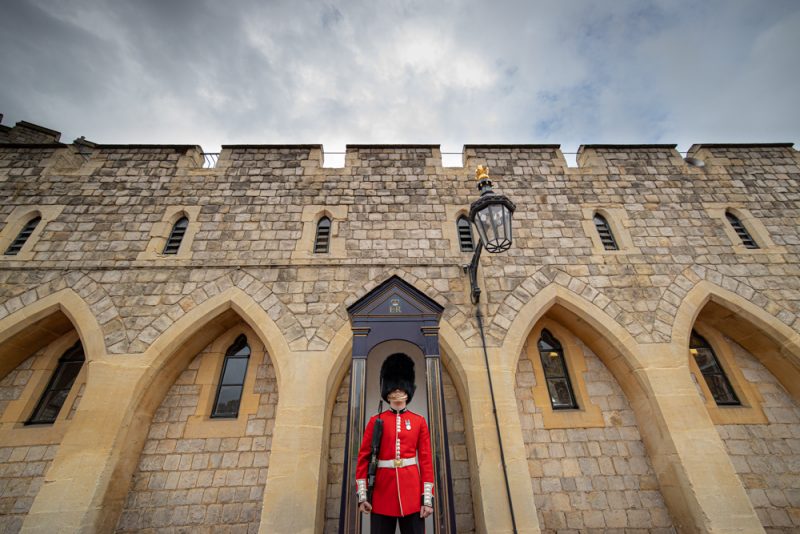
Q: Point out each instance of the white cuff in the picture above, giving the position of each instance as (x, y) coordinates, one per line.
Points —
(427, 494)
(361, 489)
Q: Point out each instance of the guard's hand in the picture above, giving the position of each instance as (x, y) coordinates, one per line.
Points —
(425, 511)
(365, 507)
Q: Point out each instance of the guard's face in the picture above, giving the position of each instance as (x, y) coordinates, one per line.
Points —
(397, 395)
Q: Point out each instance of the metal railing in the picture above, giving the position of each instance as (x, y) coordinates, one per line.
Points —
(210, 159)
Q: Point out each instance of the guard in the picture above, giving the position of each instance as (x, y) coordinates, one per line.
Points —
(403, 490)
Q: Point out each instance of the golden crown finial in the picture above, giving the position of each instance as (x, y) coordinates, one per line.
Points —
(482, 172)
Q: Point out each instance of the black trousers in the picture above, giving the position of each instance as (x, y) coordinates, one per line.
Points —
(385, 524)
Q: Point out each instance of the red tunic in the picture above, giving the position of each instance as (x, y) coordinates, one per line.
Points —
(398, 491)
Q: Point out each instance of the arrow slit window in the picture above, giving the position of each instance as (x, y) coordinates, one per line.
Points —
(323, 237)
(231, 380)
(465, 234)
(556, 374)
(741, 231)
(176, 236)
(604, 230)
(22, 237)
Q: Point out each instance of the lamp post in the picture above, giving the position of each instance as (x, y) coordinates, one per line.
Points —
(491, 215)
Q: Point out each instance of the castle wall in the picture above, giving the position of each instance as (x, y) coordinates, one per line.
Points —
(393, 210)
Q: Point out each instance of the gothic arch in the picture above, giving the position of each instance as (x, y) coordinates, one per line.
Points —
(776, 344)
(615, 346)
(533, 285)
(262, 296)
(95, 299)
(193, 329)
(167, 357)
(42, 321)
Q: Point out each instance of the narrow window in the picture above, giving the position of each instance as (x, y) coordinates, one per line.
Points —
(465, 234)
(604, 230)
(22, 237)
(176, 236)
(712, 371)
(231, 381)
(741, 231)
(555, 372)
(69, 365)
(323, 238)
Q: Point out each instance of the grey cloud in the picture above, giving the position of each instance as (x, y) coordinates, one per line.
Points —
(406, 71)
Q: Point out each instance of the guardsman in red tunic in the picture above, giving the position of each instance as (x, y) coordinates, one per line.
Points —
(404, 480)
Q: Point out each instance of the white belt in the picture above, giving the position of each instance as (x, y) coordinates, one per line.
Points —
(401, 462)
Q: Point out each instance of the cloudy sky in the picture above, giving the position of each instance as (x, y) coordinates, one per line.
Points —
(385, 71)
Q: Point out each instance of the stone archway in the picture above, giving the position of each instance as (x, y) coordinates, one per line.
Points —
(31, 342)
(195, 471)
(588, 465)
(756, 352)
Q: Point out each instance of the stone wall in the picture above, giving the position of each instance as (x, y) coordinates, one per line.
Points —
(13, 384)
(336, 446)
(767, 456)
(590, 479)
(459, 457)
(209, 484)
(22, 468)
(400, 215)
(22, 471)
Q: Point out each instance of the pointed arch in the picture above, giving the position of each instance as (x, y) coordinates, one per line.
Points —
(41, 322)
(193, 330)
(162, 363)
(614, 345)
(773, 342)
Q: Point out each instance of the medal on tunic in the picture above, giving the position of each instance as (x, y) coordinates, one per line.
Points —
(408, 424)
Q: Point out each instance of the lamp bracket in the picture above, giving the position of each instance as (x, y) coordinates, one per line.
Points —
(472, 270)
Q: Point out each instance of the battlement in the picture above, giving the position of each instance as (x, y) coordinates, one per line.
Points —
(745, 153)
(506, 158)
(27, 133)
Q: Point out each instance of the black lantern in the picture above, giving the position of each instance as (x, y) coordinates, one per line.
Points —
(491, 215)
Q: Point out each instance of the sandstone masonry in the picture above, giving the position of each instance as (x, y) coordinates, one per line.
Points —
(646, 450)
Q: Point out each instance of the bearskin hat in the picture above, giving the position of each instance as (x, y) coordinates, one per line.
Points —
(397, 372)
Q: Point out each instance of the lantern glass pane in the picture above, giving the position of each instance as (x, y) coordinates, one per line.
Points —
(482, 218)
(507, 223)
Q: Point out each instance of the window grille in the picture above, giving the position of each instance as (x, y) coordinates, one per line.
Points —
(465, 234)
(14, 248)
(555, 372)
(231, 381)
(741, 231)
(712, 371)
(604, 230)
(323, 238)
(54, 396)
(176, 236)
